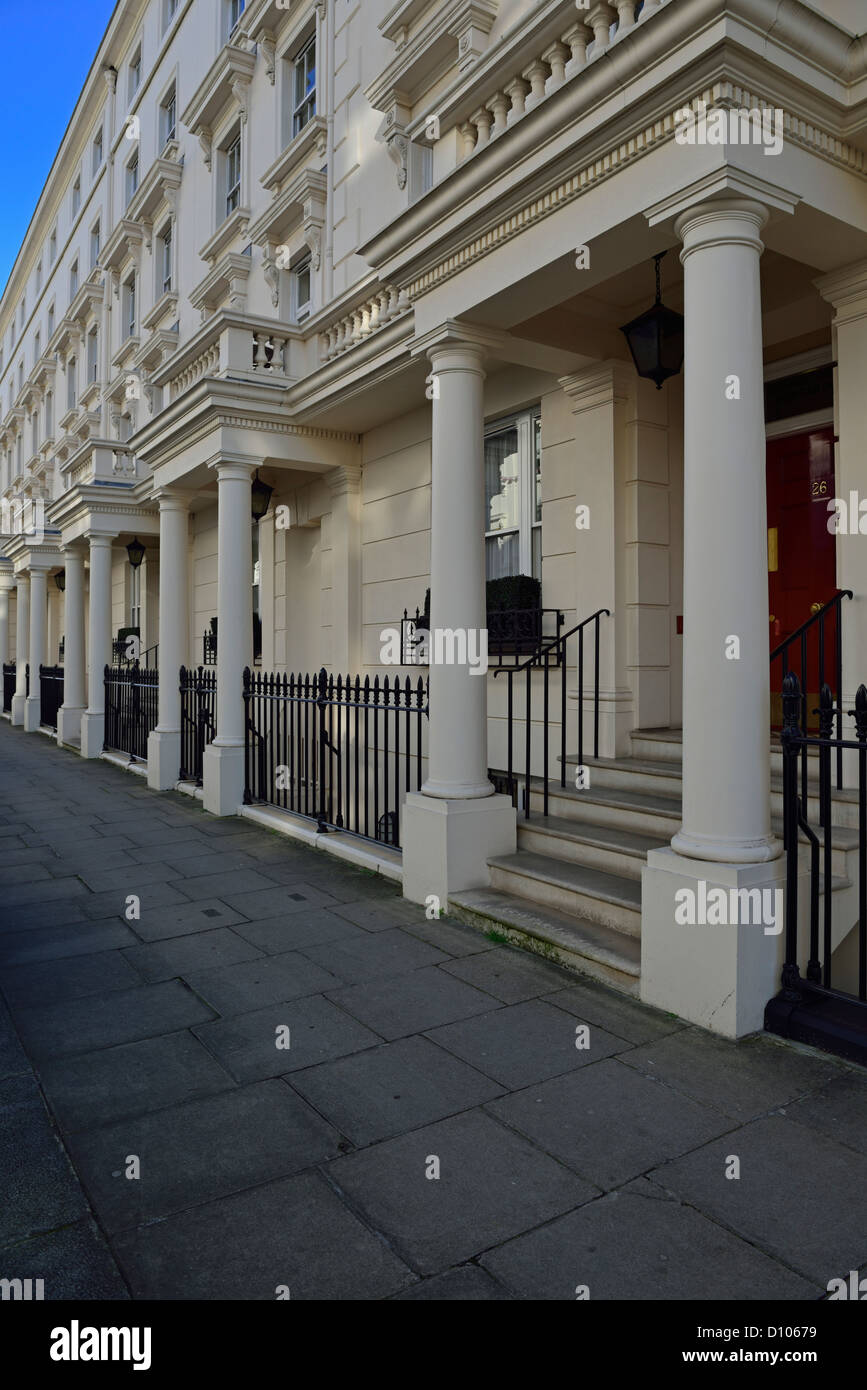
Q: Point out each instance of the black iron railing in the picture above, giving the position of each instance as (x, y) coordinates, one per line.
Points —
(513, 634)
(339, 751)
(50, 695)
(814, 653)
(551, 657)
(121, 648)
(826, 1007)
(131, 700)
(8, 685)
(198, 720)
(209, 649)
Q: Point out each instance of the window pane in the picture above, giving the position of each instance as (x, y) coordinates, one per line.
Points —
(502, 555)
(537, 552)
(537, 471)
(502, 481)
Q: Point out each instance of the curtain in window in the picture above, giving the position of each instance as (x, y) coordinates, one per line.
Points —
(502, 504)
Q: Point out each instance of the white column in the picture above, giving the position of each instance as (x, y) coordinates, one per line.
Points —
(38, 623)
(7, 582)
(164, 743)
(223, 775)
(74, 694)
(22, 639)
(456, 823)
(99, 656)
(720, 976)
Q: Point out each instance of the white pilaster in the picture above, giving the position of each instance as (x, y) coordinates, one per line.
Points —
(99, 631)
(74, 669)
(456, 823)
(38, 622)
(7, 583)
(345, 486)
(223, 775)
(22, 639)
(164, 743)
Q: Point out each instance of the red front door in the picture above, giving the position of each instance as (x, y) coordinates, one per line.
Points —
(802, 573)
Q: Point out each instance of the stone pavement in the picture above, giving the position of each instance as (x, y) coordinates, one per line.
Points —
(292, 1053)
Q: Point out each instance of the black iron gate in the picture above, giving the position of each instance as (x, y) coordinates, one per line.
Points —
(198, 719)
(8, 685)
(822, 1001)
(50, 695)
(131, 699)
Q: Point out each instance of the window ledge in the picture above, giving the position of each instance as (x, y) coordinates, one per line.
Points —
(234, 226)
(310, 140)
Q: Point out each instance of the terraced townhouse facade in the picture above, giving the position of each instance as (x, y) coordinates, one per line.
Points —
(362, 268)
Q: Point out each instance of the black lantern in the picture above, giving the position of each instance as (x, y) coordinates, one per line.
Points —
(261, 497)
(136, 551)
(655, 339)
(60, 580)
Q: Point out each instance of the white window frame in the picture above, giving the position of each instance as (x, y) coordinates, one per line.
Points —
(236, 8)
(170, 9)
(232, 189)
(76, 196)
(52, 246)
(166, 240)
(131, 177)
(95, 243)
(92, 355)
(74, 279)
(71, 385)
(301, 310)
(134, 73)
(169, 129)
(296, 107)
(97, 152)
(527, 427)
(51, 315)
(130, 307)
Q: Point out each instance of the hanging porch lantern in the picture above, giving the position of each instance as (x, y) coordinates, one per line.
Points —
(60, 580)
(136, 552)
(655, 339)
(261, 499)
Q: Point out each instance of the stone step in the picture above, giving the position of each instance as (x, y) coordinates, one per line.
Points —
(610, 900)
(639, 812)
(636, 774)
(579, 944)
(607, 847)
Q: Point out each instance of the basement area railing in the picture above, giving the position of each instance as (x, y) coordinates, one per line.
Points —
(550, 658)
(131, 702)
(341, 752)
(827, 1006)
(50, 695)
(814, 653)
(198, 720)
(8, 685)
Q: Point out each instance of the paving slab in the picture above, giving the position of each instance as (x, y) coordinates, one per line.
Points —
(453, 937)
(184, 1156)
(390, 1090)
(637, 1244)
(523, 1043)
(38, 1189)
(239, 989)
(48, 982)
(800, 1197)
(426, 998)
(161, 923)
(609, 1123)
(176, 957)
(627, 1018)
(62, 942)
(73, 1262)
(374, 955)
(36, 916)
(318, 1031)
(492, 1185)
(379, 915)
(151, 896)
(838, 1110)
(743, 1079)
(13, 1058)
(272, 902)
(297, 930)
(510, 976)
(96, 1088)
(306, 1243)
(239, 885)
(106, 1020)
(467, 1284)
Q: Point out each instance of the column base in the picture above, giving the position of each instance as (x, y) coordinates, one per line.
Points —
(69, 725)
(706, 847)
(447, 844)
(719, 976)
(223, 779)
(17, 711)
(164, 759)
(32, 713)
(92, 734)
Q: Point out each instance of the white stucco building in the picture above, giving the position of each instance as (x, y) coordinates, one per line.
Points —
(381, 255)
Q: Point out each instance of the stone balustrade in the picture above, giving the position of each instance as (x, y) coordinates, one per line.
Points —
(385, 305)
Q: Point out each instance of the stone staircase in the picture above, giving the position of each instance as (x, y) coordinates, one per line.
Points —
(572, 891)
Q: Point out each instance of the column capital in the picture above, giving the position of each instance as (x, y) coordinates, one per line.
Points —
(172, 500)
(601, 383)
(846, 290)
(74, 550)
(100, 539)
(237, 470)
(454, 337)
(720, 188)
(346, 478)
(727, 222)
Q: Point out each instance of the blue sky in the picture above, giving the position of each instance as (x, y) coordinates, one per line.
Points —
(45, 56)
